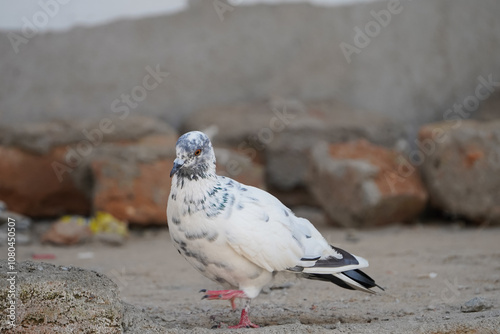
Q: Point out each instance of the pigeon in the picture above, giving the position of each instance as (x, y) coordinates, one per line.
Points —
(241, 236)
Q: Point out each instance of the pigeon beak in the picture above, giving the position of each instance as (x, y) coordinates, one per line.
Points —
(177, 165)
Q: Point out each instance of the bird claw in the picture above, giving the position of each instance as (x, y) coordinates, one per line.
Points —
(244, 322)
(223, 294)
(210, 297)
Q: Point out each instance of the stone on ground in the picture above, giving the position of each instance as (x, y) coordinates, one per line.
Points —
(54, 299)
(29, 185)
(357, 184)
(460, 164)
(69, 232)
(44, 170)
(476, 304)
(131, 181)
(281, 133)
(326, 121)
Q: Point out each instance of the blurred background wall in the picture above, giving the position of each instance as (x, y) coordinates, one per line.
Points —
(412, 64)
(121, 80)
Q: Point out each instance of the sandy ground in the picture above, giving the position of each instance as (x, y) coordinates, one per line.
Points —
(154, 277)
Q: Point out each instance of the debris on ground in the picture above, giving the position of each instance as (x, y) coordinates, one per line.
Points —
(108, 229)
(69, 230)
(476, 304)
(429, 275)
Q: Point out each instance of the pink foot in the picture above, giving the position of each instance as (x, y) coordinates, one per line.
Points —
(244, 321)
(230, 295)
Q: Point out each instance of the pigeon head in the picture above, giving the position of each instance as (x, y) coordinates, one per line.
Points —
(195, 156)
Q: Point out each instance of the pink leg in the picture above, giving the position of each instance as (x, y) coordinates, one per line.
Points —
(244, 321)
(230, 295)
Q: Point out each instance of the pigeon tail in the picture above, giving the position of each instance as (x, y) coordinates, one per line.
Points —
(351, 280)
(343, 272)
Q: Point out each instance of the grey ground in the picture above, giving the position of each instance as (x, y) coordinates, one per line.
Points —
(160, 284)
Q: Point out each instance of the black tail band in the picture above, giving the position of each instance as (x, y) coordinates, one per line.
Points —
(356, 275)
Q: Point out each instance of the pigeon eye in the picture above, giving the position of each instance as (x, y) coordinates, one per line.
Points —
(197, 152)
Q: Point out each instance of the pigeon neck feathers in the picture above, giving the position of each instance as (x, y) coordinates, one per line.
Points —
(195, 182)
(195, 159)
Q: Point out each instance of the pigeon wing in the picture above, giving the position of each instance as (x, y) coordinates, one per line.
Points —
(265, 232)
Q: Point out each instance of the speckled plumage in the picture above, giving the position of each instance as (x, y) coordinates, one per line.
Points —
(239, 235)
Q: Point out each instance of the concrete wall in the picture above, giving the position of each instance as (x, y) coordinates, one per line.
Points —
(426, 58)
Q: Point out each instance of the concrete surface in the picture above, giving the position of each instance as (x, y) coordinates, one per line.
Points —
(428, 272)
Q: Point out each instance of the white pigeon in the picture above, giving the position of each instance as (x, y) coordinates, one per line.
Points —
(240, 236)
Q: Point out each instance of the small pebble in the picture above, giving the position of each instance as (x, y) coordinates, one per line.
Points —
(476, 304)
(429, 275)
(86, 255)
(169, 318)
